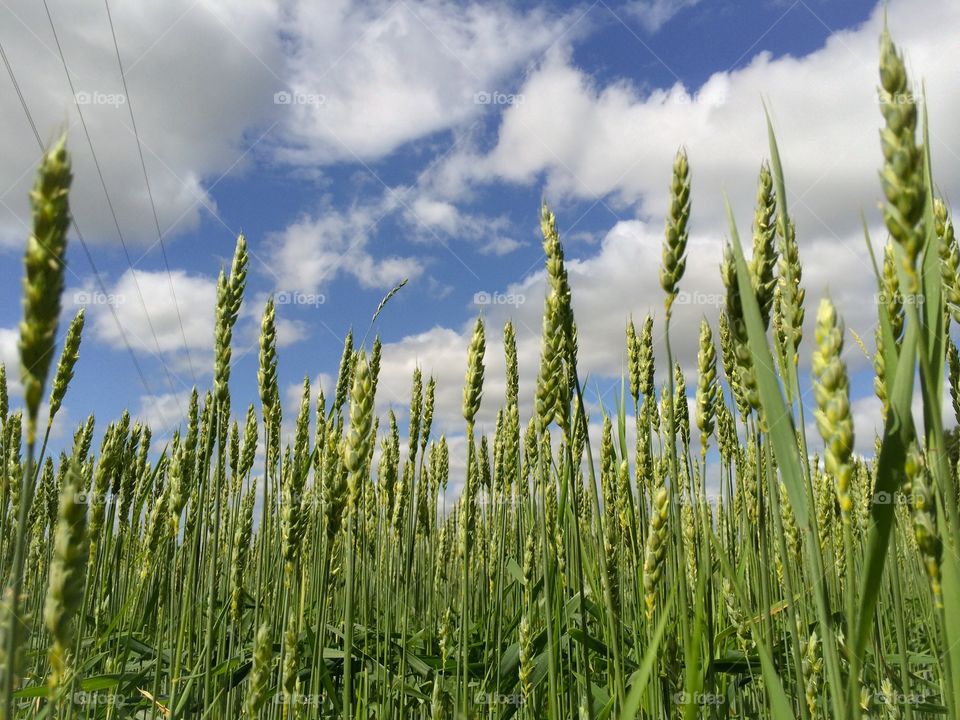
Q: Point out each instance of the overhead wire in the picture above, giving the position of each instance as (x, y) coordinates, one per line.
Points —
(146, 178)
(96, 162)
(80, 237)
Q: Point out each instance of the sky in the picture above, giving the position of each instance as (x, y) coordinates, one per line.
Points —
(357, 144)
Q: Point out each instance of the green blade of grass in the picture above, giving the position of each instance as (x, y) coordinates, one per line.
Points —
(780, 428)
(779, 702)
(638, 681)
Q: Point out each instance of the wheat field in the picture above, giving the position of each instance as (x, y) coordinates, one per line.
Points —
(228, 573)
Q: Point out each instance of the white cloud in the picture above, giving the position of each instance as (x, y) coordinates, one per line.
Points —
(831, 155)
(500, 245)
(247, 332)
(434, 220)
(294, 392)
(9, 354)
(165, 412)
(290, 332)
(158, 314)
(440, 352)
(393, 74)
(200, 85)
(203, 77)
(10, 357)
(307, 255)
(434, 213)
(390, 73)
(438, 290)
(868, 421)
(824, 107)
(654, 14)
(618, 280)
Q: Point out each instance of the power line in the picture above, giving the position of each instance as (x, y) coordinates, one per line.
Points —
(76, 228)
(106, 193)
(146, 178)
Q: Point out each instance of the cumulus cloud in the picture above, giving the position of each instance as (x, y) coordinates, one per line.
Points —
(824, 107)
(200, 80)
(308, 254)
(440, 221)
(363, 80)
(388, 73)
(436, 214)
(830, 153)
(146, 309)
(164, 412)
(868, 421)
(10, 357)
(217, 85)
(654, 14)
(294, 391)
(618, 281)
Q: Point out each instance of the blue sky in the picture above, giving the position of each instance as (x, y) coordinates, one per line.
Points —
(417, 142)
